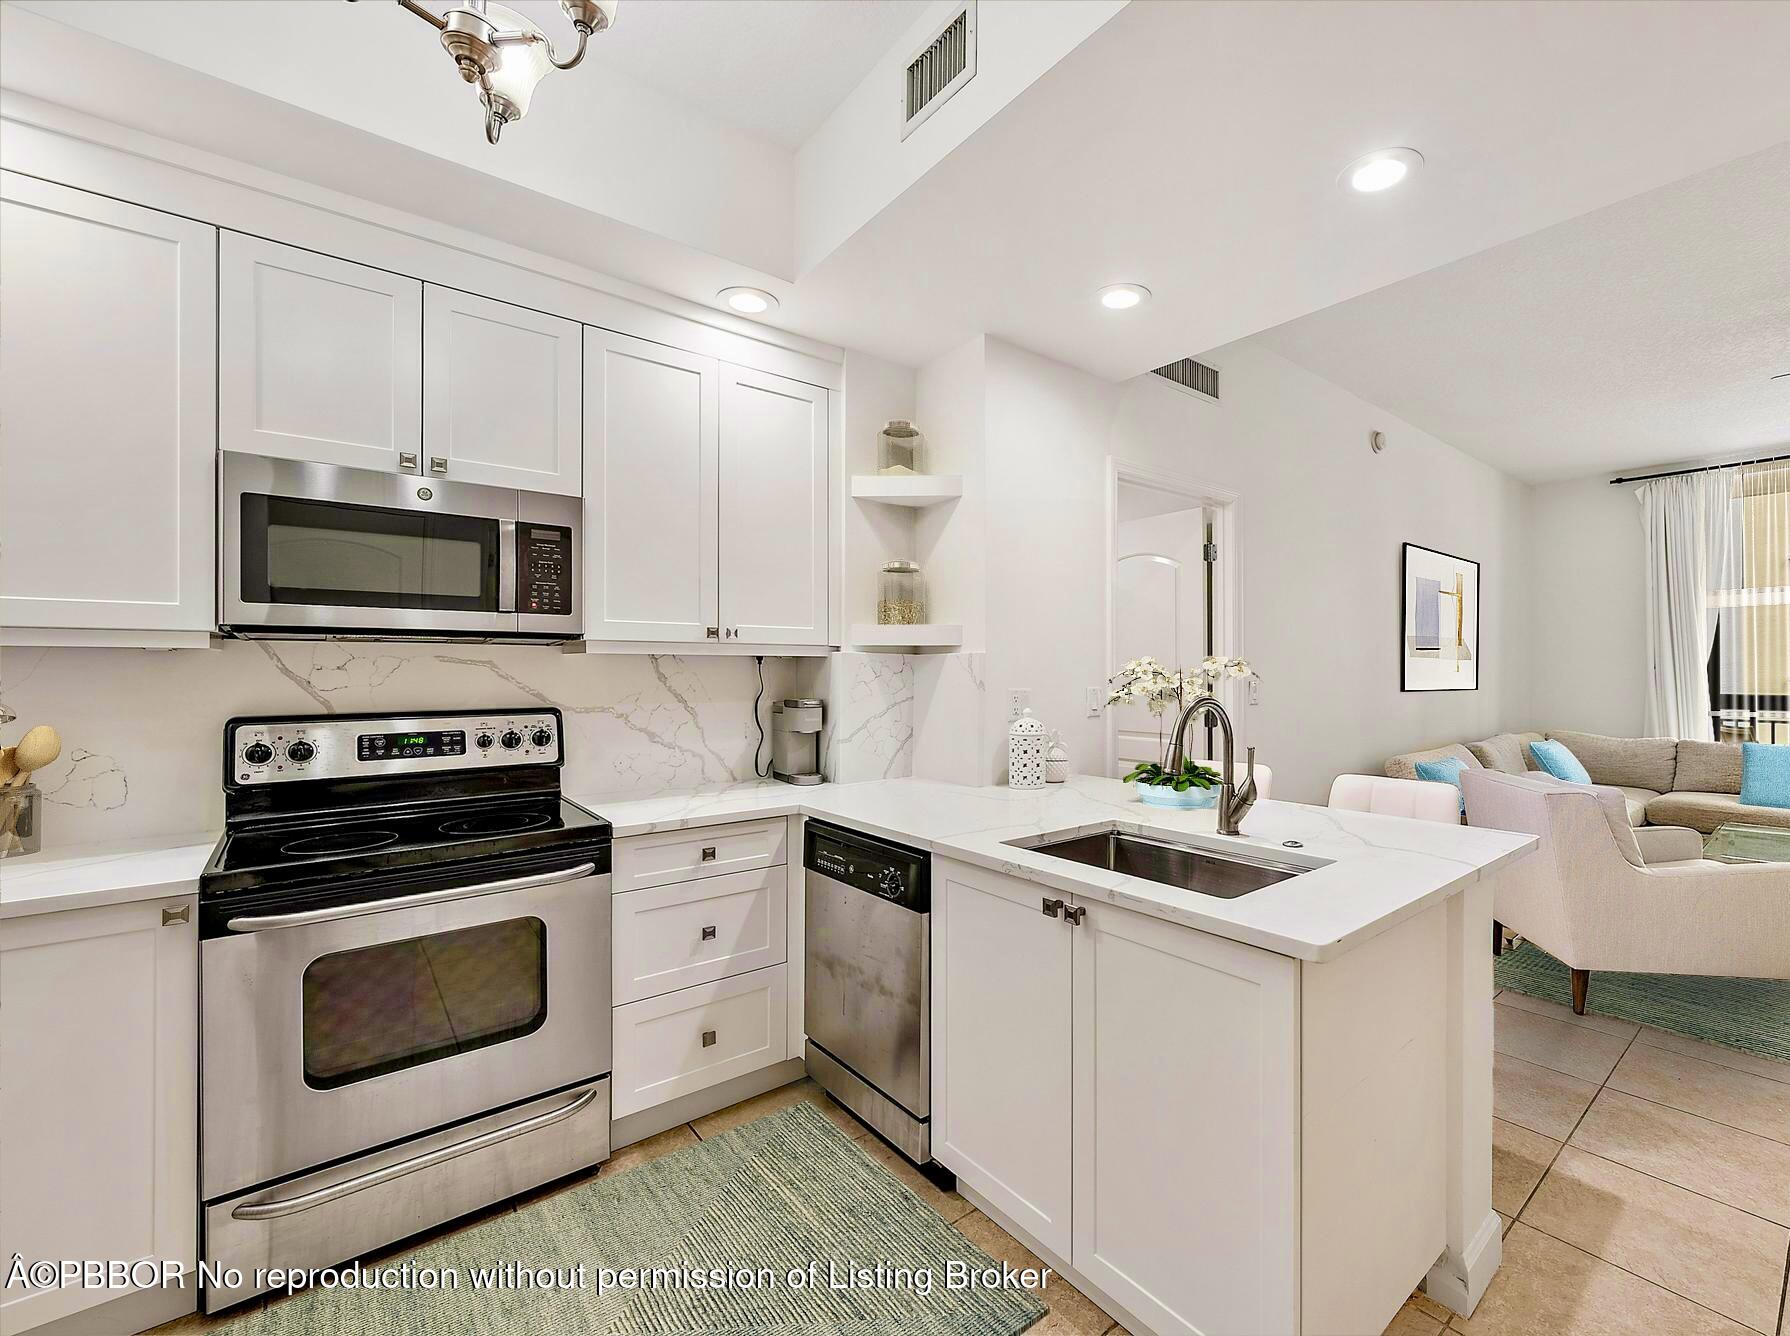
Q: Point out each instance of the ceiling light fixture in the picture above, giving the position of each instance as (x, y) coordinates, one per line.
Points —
(1123, 296)
(505, 54)
(748, 301)
(1380, 170)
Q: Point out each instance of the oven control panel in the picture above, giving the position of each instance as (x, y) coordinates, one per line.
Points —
(275, 751)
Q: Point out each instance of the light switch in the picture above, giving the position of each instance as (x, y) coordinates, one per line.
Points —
(1095, 701)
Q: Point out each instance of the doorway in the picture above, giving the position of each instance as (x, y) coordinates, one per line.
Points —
(1170, 595)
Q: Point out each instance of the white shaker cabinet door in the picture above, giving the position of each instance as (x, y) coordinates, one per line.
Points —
(108, 352)
(501, 401)
(651, 491)
(774, 533)
(1186, 1125)
(1001, 1095)
(319, 359)
(99, 1045)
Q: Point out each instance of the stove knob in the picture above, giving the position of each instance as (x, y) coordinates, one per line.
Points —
(300, 752)
(483, 741)
(257, 753)
(511, 739)
(541, 737)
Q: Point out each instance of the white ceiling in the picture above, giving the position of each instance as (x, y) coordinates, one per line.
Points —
(774, 68)
(1190, 145)
(1644, 333)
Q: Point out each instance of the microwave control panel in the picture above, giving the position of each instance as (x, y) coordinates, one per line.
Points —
(543, 569)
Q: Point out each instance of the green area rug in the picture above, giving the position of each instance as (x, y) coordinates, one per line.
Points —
(788, 1194)
(1752, 1015)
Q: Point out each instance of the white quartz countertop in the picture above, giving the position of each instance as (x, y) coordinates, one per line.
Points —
(1367, 872)
(85, 876)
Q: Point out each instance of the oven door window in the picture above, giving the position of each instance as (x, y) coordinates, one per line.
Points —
(327, 553)
(379, 1009)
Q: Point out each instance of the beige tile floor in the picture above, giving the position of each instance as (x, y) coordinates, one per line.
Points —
(1643, 1179)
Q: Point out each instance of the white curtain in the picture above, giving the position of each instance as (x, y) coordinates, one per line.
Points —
(1689, 522)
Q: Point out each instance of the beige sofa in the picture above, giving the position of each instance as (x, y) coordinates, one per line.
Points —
(1664, 781)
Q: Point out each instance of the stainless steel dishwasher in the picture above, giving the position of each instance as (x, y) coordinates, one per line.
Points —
(869, 994)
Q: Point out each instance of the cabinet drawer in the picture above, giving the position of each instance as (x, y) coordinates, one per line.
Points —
(713, 851)
(698, 1037)
(691, 932)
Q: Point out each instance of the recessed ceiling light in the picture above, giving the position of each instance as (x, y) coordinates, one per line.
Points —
(1380, 170)
(748, 301)
(1124, 296)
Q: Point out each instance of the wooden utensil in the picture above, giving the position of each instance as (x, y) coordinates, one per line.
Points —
(38, 748)
(8, 768)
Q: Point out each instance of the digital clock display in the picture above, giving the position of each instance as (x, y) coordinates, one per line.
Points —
(397, 746)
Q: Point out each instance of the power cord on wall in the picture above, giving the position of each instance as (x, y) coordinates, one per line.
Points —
(759, 749)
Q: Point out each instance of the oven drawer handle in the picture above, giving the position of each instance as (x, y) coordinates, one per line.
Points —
(265, 922)
(273, 1210)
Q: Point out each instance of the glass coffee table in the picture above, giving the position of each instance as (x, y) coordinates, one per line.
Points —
(1738, 843)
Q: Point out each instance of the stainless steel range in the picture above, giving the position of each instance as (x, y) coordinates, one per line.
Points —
(404, 982)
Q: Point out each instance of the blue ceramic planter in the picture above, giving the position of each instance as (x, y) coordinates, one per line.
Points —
(1164, 795)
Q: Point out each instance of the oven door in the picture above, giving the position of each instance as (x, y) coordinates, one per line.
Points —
(328, 1032)
(314, 546)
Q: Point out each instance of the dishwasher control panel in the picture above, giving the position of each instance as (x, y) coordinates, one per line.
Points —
(877, 867)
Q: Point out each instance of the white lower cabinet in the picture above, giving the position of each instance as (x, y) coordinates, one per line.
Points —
(99, 1047)
(1126, 1091)
(697, 1037)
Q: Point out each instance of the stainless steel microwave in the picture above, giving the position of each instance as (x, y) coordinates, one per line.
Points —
(314, 551)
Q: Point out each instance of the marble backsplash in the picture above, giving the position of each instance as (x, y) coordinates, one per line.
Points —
(142, 729)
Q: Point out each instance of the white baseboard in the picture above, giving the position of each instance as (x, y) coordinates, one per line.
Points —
(1460, 1282)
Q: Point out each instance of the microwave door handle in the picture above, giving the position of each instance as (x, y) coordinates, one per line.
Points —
(280, 1206)
(507, 561)
(304, 918)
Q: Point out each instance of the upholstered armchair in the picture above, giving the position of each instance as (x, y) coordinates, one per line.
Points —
(1649, 904)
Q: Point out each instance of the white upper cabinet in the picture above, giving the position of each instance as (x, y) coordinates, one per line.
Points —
(107, 392)
(652, 492)
(774, 539)
(318, 359)
(500, 394)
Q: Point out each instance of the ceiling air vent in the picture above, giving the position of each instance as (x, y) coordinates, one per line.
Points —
(1195, 377)
(942, 65)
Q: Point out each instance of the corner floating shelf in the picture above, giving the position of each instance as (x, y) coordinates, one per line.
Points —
(918, 489)
(898, 639)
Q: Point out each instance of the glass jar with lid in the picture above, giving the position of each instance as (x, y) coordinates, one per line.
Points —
(902, 600)
(900, 449)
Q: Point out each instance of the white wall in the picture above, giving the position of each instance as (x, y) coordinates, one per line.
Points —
(1322, 520)
(1588, 610)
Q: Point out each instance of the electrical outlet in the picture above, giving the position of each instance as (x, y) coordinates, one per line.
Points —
(1019, 699)
(1255, 691)
(1095, 700)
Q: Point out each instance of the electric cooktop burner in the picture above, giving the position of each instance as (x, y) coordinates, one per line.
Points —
(338, 842)
(495, 823)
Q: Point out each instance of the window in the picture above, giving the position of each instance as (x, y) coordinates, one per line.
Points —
(1749, 667)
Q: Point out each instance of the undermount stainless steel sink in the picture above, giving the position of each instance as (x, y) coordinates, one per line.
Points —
(1190, 867)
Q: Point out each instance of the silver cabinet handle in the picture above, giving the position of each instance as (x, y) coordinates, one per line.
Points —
(438, 465)
(708, 853)
(708, 1038)
(708, 934)
(272, 1210)
(714, 633)
(733, 633)
(1053, 907)
(267, 922)
(407, 462)
(1074, 915)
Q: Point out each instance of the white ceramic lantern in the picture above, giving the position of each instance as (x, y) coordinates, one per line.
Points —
(1025, 753)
